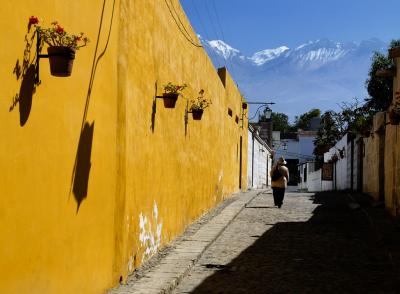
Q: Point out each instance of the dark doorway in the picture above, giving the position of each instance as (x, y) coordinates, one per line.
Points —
(293, 171)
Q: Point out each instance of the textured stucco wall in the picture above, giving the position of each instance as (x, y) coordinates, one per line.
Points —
(58, 153)
(392, 158)
(98, 175)
(392, 170)
(371, 158)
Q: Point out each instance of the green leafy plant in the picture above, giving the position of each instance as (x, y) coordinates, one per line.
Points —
(199, 103)
(171, 88)
(57, 36)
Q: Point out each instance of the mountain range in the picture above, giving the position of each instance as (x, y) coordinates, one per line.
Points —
(317, 74)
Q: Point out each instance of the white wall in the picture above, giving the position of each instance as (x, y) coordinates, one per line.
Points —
(259, 162)
(249, 158)
(314, 181)
(341, 178)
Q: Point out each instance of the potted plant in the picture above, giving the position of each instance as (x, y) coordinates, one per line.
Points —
(171, 94)
(61, 46)
(198, 105)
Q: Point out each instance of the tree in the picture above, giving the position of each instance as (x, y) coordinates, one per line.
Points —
(280, 121)
(328, 133)
(303, 121)
(380, 88)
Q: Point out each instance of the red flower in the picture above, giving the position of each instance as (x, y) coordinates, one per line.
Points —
(33, 20)
(59, 29)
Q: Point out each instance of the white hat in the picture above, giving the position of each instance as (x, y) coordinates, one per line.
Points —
(282, 161)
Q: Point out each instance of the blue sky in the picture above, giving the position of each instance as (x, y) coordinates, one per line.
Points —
(254, 25)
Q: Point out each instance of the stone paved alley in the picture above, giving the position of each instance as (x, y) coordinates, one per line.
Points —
(316, 243)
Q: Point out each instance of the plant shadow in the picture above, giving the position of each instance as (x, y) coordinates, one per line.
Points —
(28, 88)
(27, 74)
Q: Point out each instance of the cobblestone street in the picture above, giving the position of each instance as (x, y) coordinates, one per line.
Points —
(316, 243)
(313, 244)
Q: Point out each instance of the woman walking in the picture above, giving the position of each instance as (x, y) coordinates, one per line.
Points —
(280, 177)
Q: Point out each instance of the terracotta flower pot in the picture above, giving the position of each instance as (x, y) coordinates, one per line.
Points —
(170, 99)
(61, 60)
(197, 113)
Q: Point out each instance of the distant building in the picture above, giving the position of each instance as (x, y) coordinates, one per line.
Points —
(296, 148)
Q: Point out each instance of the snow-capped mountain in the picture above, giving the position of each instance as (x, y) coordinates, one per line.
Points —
(223, 49)
(261, 57)
(320, 73)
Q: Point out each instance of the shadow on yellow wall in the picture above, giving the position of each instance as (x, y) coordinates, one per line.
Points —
(82, 164)
(27, 73)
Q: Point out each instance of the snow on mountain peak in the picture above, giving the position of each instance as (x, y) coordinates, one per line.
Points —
(223, 49)
(261, 57)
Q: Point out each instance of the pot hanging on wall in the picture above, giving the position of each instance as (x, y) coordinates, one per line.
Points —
(61, 60)
(170, 99)
(197, 114)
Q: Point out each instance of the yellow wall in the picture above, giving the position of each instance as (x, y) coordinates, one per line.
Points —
(150, 173)
(371, 160)
(392, 159)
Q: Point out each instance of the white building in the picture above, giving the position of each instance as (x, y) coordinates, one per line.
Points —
(296, 148)
(259, 161)
(344, 159)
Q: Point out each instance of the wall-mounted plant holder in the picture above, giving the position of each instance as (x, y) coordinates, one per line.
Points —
(61, 59)
(197, 106)
(169, 99)
(197, 113)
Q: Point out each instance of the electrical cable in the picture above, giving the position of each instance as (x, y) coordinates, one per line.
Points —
(218, 22)
(180, 21)
(205, 32)
(188, 38)
(211, 19)
(231, 67)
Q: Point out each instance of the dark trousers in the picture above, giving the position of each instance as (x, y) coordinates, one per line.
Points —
(278, 193)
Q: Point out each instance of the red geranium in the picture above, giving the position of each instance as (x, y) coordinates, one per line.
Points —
(59, 29)
(33, 20)
(57, 36)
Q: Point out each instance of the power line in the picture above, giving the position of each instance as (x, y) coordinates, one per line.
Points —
(205, 31)
(218, 22)
(180, 21)
(231, 65)
(187, 37)
(211, 20)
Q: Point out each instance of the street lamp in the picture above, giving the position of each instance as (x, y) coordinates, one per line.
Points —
(267, 110)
